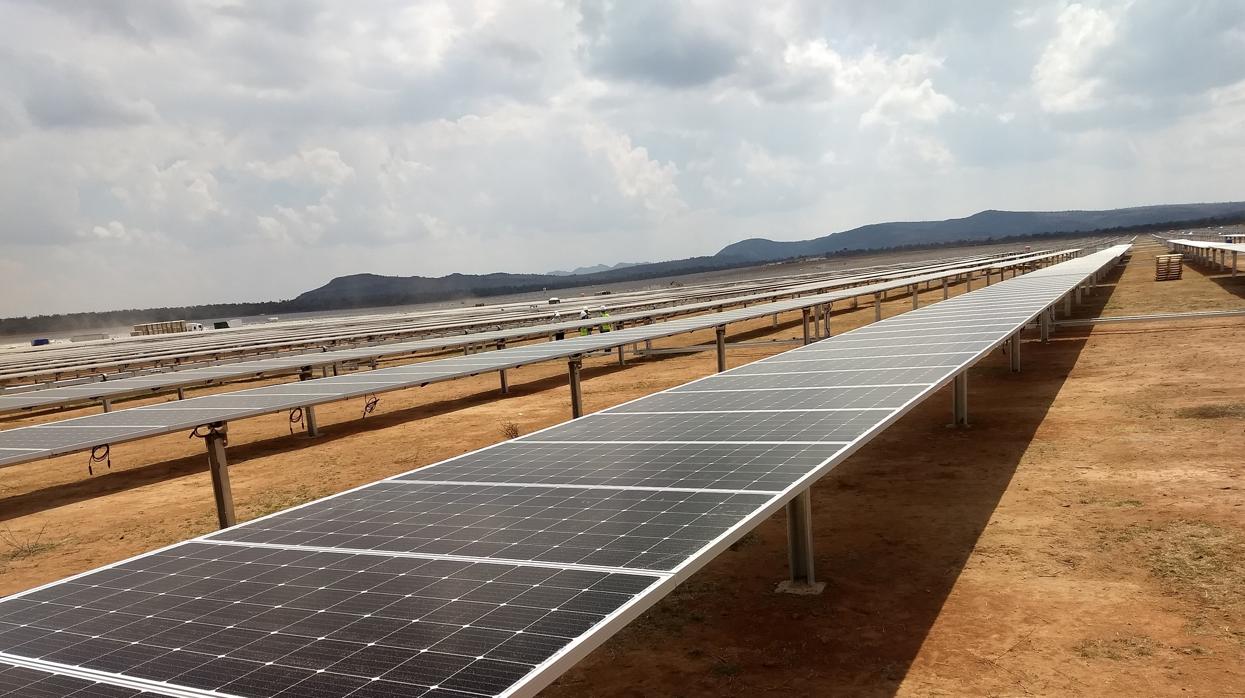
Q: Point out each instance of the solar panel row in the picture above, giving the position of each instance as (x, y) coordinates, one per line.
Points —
(207, 375)
(51, 439)
(41, 363)
(490, 573)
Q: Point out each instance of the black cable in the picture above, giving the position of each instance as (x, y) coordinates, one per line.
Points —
(369, 405)
(99, 457)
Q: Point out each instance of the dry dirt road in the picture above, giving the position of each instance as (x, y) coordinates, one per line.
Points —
(1085, 536)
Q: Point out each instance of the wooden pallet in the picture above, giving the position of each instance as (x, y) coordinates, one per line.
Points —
(1167, 267)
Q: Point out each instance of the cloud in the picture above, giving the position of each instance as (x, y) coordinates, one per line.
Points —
(1064, 77)
(654, 42)
(215, 151)
(59, 95)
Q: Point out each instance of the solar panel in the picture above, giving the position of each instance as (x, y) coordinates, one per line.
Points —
(487, 574)
(810, 362)
(708, 400)
(821, 379)
(260, 621)
(710, 466)
(734, 427)
(614, 528)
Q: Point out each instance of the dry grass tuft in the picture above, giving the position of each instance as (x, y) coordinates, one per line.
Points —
(271, 502)
(23, 547)
(1230, 410)
(1118, 648)
(1198, 560)
(510, 430)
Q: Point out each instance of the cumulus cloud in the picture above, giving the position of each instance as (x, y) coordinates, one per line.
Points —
(210, 150)
(1064, 78)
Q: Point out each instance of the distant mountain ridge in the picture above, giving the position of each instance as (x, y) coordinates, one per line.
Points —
(374, 291)
(594, 269)
(979, 226)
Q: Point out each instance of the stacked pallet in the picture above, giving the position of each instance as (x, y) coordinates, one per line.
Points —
(1167, 267)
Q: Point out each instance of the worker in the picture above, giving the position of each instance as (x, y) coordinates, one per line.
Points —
(606, 326)
(561, 331)
(586, 329)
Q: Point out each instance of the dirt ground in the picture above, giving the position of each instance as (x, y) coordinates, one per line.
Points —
(1084, 536)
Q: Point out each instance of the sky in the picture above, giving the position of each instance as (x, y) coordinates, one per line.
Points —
(167, 152)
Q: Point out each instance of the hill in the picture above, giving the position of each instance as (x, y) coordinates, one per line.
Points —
(594, 269)
(979, 226)
(372, 290)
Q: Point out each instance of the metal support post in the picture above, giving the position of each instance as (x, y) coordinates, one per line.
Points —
(855, 302)
(1014, 350)
(1045, 320)
(505, 383)
(1067, 304)
(574, 365)
(987, 277)
(181, 393)
(877, 307)
(946, 290)
(107, 404)
(775, 324)
(959, 399)
(1234, 268)
(916, 296)
(720, 330)
(804, 323)
(829, 308)
(219, 468)
(800, 548)
(968, 278)
(309, 412)
(309, 418)
(1078, 294)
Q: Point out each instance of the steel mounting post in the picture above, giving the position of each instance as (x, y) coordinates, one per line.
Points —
(219, 468)
(309, 411)
(1013, 346)
(505, 383)
(800, 548)
(574, 365)
(959, 399)
(720, 331)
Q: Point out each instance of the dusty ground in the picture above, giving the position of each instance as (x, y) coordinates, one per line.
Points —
(1084, 536)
